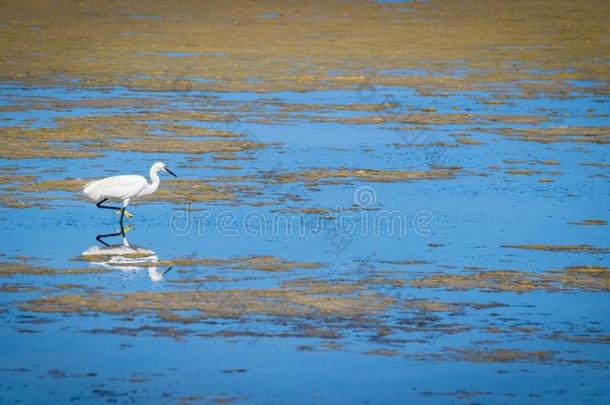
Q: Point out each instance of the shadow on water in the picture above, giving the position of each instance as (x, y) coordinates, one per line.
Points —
(124, 256)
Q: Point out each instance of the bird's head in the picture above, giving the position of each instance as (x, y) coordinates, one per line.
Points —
(160, 166)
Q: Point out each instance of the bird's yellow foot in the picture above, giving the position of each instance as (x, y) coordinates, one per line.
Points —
(127, 213)
(127, 228)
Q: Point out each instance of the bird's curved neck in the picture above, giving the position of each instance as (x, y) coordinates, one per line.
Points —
(154, 181)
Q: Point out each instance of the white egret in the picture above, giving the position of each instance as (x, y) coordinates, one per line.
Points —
(124, 188)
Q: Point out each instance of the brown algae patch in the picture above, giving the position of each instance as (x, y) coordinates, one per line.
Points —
(382, 352)
(561, 248)
(15, 193)
(327, 213)
(14, 178)
(230, 303)
(311, 307)
(41, 186)
(589, 278)
(262, 263)
(179, 146)
(370, 175)
(457, 394)
(181, 191)
(317, 287)
(566, 336)
(601, 165)
(426, 119)
(593, 134)
(523, 172)
(17, 288)
(406, 262)
(13, 268)
(415, 118)
(590, 222)
(468, 141)
(429, 305)
(19, 201)
(18, 104)
(476, 355)
(444, 33)
(312, 107)
(90, 135)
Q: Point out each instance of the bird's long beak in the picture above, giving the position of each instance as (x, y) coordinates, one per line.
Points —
(170, 172)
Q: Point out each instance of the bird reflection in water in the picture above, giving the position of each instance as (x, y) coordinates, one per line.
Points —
(124, 256)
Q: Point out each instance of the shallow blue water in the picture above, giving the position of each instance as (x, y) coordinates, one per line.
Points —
(471, 216)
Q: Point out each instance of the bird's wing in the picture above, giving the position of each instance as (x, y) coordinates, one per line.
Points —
(115, 187)
(90, 185)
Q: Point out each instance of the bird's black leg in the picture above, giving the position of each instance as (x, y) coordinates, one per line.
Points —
(108, 235)
(121, 220)
(99, 205)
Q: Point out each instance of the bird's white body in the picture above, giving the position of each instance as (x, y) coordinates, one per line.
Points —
(124, 187)
(120, 187)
